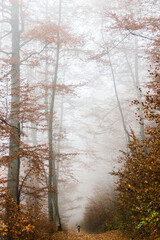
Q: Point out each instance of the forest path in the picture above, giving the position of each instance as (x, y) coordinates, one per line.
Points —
(74, 235)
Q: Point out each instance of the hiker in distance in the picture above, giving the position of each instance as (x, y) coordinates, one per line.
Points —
(78, 228)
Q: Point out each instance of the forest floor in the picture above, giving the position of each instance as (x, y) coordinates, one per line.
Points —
(73, 235)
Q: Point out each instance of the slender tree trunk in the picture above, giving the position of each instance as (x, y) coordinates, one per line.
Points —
(34, 199)
(53, 207)
(60, 131)
(14, 165)
(117, 97)
(118, 101)
(135, 79)
(142, 134)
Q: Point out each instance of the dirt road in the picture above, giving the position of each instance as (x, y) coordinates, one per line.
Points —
(73, 235)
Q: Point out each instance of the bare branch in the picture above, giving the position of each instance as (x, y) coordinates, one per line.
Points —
(108, 51)
(4, 6)
(5, 35)
(7, 53)
(4, 121)
(23, 181)
(5, 75)
(35, 53)
(5, 11)
(5, 21)
(24, 43)
(139, 35)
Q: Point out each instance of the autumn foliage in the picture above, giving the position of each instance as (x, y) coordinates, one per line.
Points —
(23, 222)
(139, 186)
(138, 182)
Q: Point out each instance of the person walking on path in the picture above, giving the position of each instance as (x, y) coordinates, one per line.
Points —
(79, 228)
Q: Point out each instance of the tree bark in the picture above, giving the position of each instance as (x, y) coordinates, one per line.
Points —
(14, 165)
(118, 101)
(53, 208)
(135, 79)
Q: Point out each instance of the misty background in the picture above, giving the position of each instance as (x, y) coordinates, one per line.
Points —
(104, 69)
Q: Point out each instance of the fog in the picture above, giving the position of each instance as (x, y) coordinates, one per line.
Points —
(95, 125)
(101, 66)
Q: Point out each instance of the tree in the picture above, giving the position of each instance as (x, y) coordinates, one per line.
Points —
(14, 165)
(23, 109)
(52, 177)
(138, 184)
(139, 178)
(62, 39)
(17, 104)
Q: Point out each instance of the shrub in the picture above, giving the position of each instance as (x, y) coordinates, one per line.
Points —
(99, 213)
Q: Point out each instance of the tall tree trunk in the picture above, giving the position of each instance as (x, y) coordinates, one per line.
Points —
(53, 207)
(60, 131)
(14, 165)
(116, 93)
(135, 79)
(118, 101)
(142, 134)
